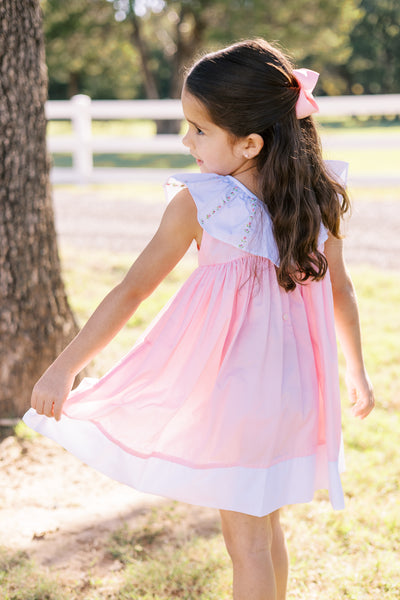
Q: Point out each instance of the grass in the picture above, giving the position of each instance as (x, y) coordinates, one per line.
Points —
(175, 162)
(379, 293)
(362, 160)
(104, 270)
(165, 560)
(20, 579)
(145, 128)
(352, 554)
(365, 160)
(374, 193)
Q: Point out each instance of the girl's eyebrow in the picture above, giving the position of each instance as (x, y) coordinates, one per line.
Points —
(195, 124)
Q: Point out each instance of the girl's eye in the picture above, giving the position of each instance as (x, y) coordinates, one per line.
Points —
(199, 131)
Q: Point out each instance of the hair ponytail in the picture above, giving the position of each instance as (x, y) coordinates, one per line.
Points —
(299, 194)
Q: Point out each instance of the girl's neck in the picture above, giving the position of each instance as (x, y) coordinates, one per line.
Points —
(249, 177)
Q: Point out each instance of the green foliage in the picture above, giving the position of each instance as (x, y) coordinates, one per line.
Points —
(316, 31)
(88, 51)
(114, 49)
(373, 65)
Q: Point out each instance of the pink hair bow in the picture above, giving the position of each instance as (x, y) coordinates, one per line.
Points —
(306, 104)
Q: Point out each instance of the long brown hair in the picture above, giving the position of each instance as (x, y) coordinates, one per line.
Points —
(250, 88)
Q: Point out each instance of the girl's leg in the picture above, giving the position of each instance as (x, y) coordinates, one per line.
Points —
(280, 557)
(257, 549)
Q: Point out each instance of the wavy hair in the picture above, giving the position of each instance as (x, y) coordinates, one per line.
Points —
(247, 88)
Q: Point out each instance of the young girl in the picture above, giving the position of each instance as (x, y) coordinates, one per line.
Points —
(231, 398)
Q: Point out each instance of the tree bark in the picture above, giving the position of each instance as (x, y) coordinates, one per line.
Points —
(73, 84)
(35, 319)
(187, 46)
(149, 80)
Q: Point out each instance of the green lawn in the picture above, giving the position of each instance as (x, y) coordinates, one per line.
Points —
(352, 554)
(365, 160)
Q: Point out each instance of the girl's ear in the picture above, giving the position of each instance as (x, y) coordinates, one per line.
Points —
(252, 145)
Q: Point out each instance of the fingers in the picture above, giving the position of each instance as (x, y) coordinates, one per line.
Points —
(361, 393)
(57, 410)
(51, 391)
(363, 410)
(42, 404)
(47, 404)
(363, 405)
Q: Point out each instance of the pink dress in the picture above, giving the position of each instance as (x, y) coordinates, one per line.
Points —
(231, 397)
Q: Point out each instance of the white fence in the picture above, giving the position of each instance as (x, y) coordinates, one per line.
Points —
(81, 110)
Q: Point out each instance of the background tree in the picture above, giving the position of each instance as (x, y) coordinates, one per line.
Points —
(374, 63)
(168, 34)
(88, 51)
(35, 319)
(139, 48)
(143, 51)
(314, 31)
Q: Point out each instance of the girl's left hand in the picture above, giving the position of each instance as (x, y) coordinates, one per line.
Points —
(361, 393)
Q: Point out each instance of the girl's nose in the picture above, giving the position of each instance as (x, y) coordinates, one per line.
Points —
(185, 140)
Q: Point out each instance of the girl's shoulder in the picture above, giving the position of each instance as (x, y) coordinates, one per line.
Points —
(213, 193)
(228, 211)
(231, 213)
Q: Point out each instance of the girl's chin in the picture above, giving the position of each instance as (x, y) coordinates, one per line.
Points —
(203, 168)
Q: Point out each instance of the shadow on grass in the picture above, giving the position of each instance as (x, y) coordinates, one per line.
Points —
(161, 551)
(132, 535)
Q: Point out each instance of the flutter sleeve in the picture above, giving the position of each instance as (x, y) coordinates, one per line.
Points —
(229, 212)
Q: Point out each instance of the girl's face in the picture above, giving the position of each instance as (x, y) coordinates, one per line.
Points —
(213, 147)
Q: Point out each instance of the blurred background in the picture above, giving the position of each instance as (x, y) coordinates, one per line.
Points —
(138, 49)
(115, 71)
(124, 49)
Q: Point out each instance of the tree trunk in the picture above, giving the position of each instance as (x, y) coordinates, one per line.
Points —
(73, 84)
(149, 80)
(188, 42)
(35, 319)
(150, 84)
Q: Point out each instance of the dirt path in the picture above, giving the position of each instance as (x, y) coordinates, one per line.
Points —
(96, 220)
(61, 511)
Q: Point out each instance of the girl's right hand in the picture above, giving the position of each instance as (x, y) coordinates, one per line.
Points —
(361, 393)
(51, 391)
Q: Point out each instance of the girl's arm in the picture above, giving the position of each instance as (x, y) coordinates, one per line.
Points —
(178, 228)
(348, 329)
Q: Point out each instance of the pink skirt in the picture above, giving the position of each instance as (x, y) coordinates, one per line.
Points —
(229, 400)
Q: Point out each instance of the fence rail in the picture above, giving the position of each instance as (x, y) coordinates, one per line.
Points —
(81, 111)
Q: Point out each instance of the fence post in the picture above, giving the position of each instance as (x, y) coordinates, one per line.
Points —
(82, 128)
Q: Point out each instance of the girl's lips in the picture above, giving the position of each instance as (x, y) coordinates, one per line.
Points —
(199, 162)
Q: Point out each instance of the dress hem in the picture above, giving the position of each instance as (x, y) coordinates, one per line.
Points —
(239, 489)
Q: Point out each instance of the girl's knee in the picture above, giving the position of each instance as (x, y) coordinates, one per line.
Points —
(246, 537)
